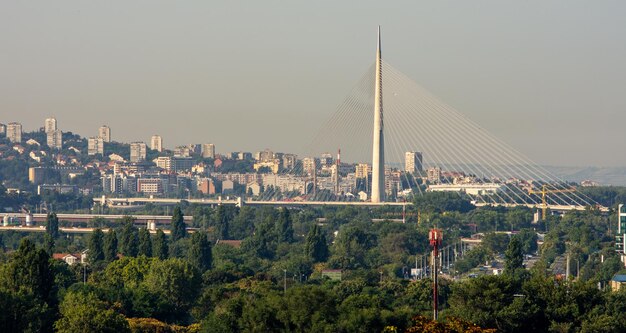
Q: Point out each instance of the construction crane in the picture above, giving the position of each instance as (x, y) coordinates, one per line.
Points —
(544, 192)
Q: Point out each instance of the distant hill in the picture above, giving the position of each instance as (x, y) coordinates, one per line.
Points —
(615, 176)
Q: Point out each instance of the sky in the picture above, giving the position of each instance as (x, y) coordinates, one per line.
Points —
(546, 77)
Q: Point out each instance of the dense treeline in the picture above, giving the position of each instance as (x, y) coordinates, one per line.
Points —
(270, 278)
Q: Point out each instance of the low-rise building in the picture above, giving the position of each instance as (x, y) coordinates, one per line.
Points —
(618, 282)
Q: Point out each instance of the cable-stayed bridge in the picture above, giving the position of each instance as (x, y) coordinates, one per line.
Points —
(399, 141)
(426, 146)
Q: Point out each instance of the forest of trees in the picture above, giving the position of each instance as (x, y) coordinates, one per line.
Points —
(185, 280)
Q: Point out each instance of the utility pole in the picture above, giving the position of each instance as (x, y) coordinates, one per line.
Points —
(285, 281)
(435, 237)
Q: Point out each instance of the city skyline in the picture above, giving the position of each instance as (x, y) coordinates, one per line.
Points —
(559, 84)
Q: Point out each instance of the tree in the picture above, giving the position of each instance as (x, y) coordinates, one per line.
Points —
(221, 223)
(494, 302)
(48, 243)
(200, 251)
(52, 225)
(495, 243)
(84, 312)
(284, 227)
(316, 246)
(129, 237)
(175, 280)
(263, 242)
(160, 248)
(27, 291)
(179, 229)
(514, 256)
(529, 240)
(425, 325)
(110, 246)
(442, 202)
(31, 272)
(96, 246)
(23, 313)
(351, 247)
(145, 243)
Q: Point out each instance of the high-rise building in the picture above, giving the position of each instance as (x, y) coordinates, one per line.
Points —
(265, 156)
(208, 150)
(50, 125)
(104, 132)
(309, 165)
(3, 130)
(156, 143)
(14, 132)
(137, 152)
(95, 145)
(412, 162)
(362, 170)
(55, 139)
(378, 149)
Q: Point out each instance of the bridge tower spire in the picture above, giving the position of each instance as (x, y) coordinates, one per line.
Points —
(378, 149)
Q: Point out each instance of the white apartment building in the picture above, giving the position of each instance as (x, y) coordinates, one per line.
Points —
(14, 132)
(156, 143)
(412, 162)
(137, 152)
(55, 139)
(50, 125)
(104, 132)
(208, 150)
(95, 146)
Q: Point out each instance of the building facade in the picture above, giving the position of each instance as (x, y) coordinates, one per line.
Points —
(55, 139)
(208, 150)
(156, 143)
(95, 146)
(104, 133)
(14, 132)
(137, 152)
(36, 175)
(412, 162)
(50, 125)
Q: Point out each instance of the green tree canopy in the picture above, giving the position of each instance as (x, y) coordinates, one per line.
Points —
(85, 312)
(179, 229)
(52, 225)
(316, 247)
(159, 246)
(145, 243)
(110, 246)
(514, 256)
(96, 246)
(129, 238)
(200, 251)
(284, 226)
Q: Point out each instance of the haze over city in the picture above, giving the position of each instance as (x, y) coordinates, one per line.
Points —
(547, 78)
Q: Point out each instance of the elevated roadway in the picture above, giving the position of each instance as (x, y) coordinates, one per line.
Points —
(239, 202)
(78, 218)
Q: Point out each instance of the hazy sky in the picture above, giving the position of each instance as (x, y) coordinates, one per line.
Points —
(547, 77)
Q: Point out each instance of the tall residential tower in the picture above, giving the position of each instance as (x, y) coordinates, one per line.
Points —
(378, 149)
